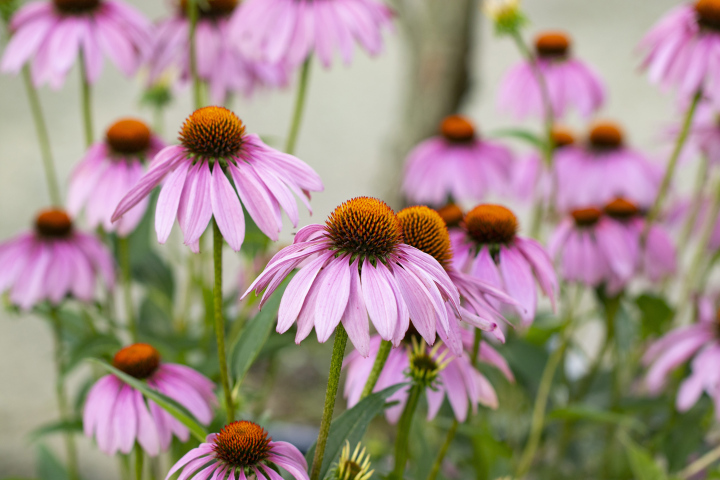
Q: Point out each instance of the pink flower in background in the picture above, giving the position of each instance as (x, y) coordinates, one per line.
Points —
(289, 31)
(240, 450)
(700, 341)
(219, 62)
(196, 190)
(704, 136)
(51, 36)
(52, 262)
(117, 415)
(490, 250)
(456, 166)
(357, 267)
(108, 171)
(463, 385)
(604, 169)
(682, 48)
(570, 82)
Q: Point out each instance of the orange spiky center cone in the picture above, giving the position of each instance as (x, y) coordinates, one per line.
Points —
(213, 132)
(562, 137)
(586, 217)
(491, 224)
(606, 136)
(139, 360)
(242, 444)
(451, 214)
(621, 209)
(552, 45)
(76, 6)
(708, 13)
(53, 223)
(424, 229)
(128, 136)
(213, 8)
(457, 129)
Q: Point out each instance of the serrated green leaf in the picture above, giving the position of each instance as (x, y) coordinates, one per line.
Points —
(48, 466)
(179, 412)
(580, 412)
(61, 426)
(641, 462)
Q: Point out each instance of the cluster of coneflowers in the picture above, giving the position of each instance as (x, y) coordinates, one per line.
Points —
(426, 295)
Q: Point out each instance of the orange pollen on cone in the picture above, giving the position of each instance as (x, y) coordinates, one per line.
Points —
(708, 13)
(451, 214)
(364, 226)
(552, 45)
(76, 6)
(457, 128)
(214, 132)
(213, 8)
(621, 209)
(139, 360)
(606, 136)
(242, 444)
(586, 217)
(491, 224)
(53, 223)
(424, 229)
(128, 136)
(562, 137)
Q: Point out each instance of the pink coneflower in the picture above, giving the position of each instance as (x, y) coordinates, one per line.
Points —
(463, 385)
(196, 190)
(704, 136)
(604, 169)
(456, 166)
(531, 177)
(219, 61)
(241, 450)
(52, 262)
(288, 31)
(52, 35)
(359, 267)
(569, 81)
(117, 415)
(681, 48)
(701, 340)
(108, 171)
(491, 250)
(594, 249)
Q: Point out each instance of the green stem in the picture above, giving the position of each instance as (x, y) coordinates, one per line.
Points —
(587, 382)
(139, 460)
(299, 107)
(125, 274)
(477, 338)
(443, 450)
(193, 14)
(380, 360)
(43, 138)
(700, 464)
(697, 201)
(220, 321)
(86, 95)
(403, 434)
(332, 388)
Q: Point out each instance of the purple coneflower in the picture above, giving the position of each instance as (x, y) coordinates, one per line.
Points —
(457, 165)
(214, 146)
(219, 62)
(531, 177)
(52, 35)
(359, 267)
(53, 261)
(108, 171)
(569, 81)
(241, 450)
(604, 169)
(491, 250)
(288, 31)
(117, 415)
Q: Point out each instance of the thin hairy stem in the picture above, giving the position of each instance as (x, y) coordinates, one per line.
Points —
(403, 432)
(443, 450)
(86, 99)
(380, 360)
(220, 321)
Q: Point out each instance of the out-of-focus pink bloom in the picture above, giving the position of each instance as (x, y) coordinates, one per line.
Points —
(108, 171)
(52, 35)
(288, 31)
(570, 82)
(240, 450)
(213, 147)
(456, 166)
(704, 136)
(358, 267)
(678, 214)
(682, 47)
(489, 249)
(117, 415)
(219, 62)
(53, 261)
(677, 347)
(602, 170)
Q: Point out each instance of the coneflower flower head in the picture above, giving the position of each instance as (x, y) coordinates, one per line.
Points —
(506, 15)
(426, 364)
(352, 467)
(533, 178)
(451, 214)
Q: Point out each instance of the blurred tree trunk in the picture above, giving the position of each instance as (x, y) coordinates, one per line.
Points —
(439, 38)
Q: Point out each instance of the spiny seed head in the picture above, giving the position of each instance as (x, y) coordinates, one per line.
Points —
(424, 229)
(451, 214)
(76, 6)
(606, 136)
(553, 44)
(562, 137)
(364, 226)
(708, 13)
(457, 129)
(53, 223)
(621, 209)
(586, 217)
(491, 224)
(139, 360)
(242, 444)
(212, 8)
(352, 467)
(128, 136)
(426, 365)
(213, 132)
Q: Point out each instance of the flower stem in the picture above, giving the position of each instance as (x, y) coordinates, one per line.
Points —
(43, 138)
(86, 103)
(443, 451)
(700, 464)
(697, 201)
(477, 338)
(299, 107)
(380, 360)
(193, 15)
(332, 388)
(139, 458)
(403, 434)
(220, 321)
(125, 273)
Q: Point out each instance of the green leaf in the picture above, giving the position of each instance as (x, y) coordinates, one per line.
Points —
(61, 426)
(641, 462)
(351, 426)
(179, 412)
(48, 466)
(92, 347)
(580, 412)
(149, 269)
(656, 314)
(520, 134)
